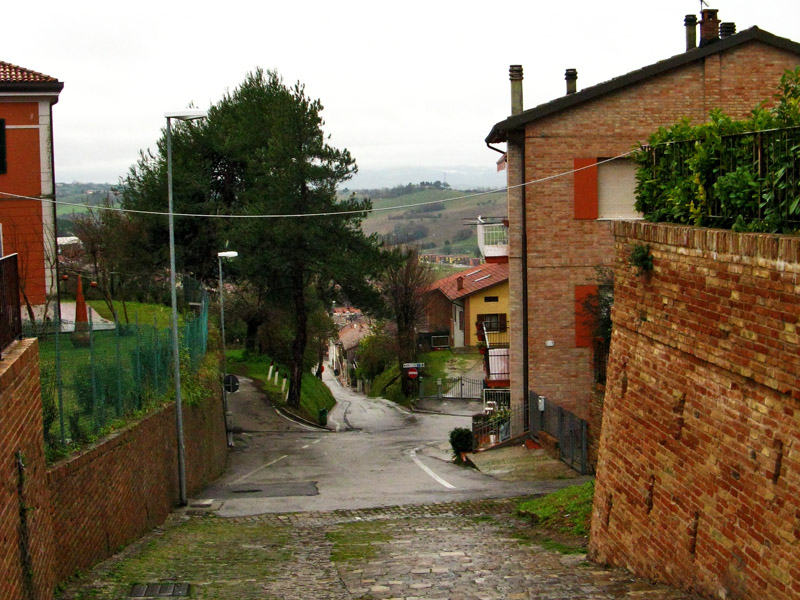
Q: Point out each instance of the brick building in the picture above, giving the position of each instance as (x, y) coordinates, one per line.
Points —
(561, 229)
(27, 226)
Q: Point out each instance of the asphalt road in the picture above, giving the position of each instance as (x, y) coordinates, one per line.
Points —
(374, 454)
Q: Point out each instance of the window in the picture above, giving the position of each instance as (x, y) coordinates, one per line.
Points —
(616, 190)
(3, 166)
(491, 299)
(604, 191)
(493, 322)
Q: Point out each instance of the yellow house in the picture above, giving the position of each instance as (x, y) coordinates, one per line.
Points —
(471, 302)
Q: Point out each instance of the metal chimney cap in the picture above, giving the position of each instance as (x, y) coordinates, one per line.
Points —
(515, 72)
(690, 20)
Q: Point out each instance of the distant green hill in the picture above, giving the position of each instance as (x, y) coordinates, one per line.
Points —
(90, 194)
(432, 219)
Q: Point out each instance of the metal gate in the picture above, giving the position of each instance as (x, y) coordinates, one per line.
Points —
(450, 387)
(571, 431)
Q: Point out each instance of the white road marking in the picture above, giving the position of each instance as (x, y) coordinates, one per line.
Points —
(304, 447)
(303, 425)
(269, 464)
(429, 471)
(317, 441)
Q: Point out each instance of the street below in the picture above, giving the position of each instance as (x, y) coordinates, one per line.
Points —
(371, 508)
(375, 453)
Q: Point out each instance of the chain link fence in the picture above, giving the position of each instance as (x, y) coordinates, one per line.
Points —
(95, 377)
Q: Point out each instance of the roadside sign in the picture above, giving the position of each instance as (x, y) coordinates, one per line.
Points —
(231, 383)
(413, 373)
(413, 365)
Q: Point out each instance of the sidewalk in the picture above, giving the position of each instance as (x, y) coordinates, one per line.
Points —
(68, 317)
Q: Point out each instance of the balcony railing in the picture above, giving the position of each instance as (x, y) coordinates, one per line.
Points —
(10, 317)
(492, 239)
(495, 356)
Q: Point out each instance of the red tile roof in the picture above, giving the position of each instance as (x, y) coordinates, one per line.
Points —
(474, 279)
(13, 73)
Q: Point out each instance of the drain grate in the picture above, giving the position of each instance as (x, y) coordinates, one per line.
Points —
(159, 590)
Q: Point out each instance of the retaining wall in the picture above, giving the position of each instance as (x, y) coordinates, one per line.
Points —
(698, 478)
(84, 509)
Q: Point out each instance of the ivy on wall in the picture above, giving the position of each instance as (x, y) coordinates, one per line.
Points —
(735, 174)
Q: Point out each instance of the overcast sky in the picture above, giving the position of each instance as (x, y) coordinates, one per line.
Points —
(404, 85)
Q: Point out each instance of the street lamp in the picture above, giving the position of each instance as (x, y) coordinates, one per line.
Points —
(185, 115)
(220, 256)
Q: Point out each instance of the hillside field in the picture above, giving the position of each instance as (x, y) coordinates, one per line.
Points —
(429, 218)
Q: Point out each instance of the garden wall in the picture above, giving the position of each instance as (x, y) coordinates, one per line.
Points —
(128, 484)
(87, 507)
(698, 478)
(26, 535)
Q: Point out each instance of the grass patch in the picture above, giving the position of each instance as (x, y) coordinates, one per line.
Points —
(202, 551)
(568, 510)
(356, 541)
(314, 395)
(145, 313)
(560, 521)
(441, 363)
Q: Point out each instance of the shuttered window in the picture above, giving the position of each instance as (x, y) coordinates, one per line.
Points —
(584, 324)
(3, 165)
(585, 188)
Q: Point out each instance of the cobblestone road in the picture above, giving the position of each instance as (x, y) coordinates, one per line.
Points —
(459, 551)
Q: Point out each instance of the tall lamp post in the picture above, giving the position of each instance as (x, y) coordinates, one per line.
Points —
(184, 115)
(220, 256)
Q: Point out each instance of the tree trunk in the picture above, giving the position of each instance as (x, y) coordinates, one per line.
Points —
(406, 352)
(300, 338)
(251, 334)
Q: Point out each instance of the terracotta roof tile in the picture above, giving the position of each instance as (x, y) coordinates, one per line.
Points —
(474, 280)
(12, 73)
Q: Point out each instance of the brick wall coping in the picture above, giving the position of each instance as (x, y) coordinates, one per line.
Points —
(783, 250)
(10, 365)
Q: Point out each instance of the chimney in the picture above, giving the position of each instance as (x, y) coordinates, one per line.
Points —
(690, 21)
(709, 26)
(727, 30)
(515, 75)
(459, 283)
(571, 75)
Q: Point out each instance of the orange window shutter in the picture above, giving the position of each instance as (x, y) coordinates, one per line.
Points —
(585, 187)
(583, 319)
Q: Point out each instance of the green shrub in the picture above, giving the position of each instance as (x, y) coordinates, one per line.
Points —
(461, 441)
(640, 257)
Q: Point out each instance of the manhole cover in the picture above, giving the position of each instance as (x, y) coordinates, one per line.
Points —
(276, 490)
(159, 590)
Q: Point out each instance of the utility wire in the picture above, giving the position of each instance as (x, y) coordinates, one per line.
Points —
(322, 214)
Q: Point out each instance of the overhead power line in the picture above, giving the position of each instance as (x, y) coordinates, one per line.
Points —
(321, 214)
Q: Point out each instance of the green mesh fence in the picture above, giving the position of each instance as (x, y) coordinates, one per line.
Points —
(95, 378)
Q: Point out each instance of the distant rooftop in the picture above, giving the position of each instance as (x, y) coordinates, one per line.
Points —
(9, 72)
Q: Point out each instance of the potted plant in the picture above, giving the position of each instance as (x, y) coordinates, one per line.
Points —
(481, 346)
(500, 424)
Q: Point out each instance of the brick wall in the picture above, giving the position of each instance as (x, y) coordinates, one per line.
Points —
(118, 490)
(84, 509)
(562, 250)
(698, 478)
(27, 567)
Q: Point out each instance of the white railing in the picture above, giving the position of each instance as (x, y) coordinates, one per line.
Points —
(492, 239)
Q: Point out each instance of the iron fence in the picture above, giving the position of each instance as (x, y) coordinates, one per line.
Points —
(10, 317)
(749, 176)
(450, 387)
(571, 431)
(94, 378)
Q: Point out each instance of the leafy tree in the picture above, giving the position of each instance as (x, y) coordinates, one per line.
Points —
(262, 151)
(403, 288)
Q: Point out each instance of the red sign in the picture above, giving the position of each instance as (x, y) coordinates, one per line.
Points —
(413, 373)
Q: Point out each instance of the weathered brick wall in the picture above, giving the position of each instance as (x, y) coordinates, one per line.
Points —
(562, 251)
(26, 547)
(128, 484)
(698, 479)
